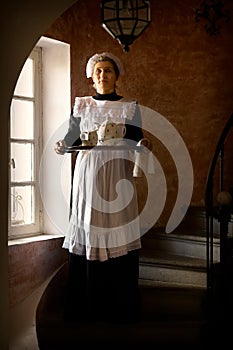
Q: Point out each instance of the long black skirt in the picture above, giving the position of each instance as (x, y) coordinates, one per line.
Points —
(103, 290)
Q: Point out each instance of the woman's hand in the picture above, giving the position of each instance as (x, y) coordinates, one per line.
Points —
(59, 147)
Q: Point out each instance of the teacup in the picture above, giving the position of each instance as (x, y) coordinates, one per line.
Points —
(89, 138)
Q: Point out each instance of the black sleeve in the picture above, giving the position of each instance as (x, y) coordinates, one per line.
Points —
(134, 127)
(72, 137)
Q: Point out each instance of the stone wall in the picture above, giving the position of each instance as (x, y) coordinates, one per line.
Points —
(30, 264)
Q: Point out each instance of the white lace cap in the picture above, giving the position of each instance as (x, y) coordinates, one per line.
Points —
(95, 58)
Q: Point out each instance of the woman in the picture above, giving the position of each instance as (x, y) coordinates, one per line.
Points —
(103, 237)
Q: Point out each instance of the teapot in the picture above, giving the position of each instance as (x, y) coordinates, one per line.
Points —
(109, 131)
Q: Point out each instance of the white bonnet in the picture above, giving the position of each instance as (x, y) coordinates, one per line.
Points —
(95, 58)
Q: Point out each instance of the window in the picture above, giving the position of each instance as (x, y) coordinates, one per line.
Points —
(25, 131)
(40, 180)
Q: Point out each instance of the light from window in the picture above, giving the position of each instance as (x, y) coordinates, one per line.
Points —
(24, 150)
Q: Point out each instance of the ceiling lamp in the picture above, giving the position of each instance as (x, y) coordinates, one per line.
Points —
(125, 20)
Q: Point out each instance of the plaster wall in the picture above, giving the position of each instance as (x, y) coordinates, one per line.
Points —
(174, 68)
(21, 25)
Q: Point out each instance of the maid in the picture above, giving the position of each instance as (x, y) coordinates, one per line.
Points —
(103, 235)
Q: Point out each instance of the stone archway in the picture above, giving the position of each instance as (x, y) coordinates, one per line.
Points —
(22, 24)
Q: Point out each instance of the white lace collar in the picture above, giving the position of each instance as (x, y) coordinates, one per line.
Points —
(94, 112)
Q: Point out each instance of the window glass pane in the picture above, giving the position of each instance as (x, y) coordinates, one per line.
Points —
(22, 208)
(24, 86)
(127, 26)
(22, 117)
(22, 160)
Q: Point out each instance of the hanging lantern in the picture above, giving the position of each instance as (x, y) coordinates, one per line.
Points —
(125, 20)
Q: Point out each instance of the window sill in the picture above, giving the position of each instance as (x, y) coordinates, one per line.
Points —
(38, 238)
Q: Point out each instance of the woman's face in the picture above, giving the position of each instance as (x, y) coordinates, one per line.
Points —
(104, 77)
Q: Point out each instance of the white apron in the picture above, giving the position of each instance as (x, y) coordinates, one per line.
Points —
(104, 221)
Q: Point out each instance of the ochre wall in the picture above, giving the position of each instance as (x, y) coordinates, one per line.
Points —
(174, 68)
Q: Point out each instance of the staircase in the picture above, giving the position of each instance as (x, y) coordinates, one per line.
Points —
(174, 259)
(173, 290)
(179, 258)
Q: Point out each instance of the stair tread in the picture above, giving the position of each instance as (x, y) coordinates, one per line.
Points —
(154, 256)
(170, 285)
(162, 307)
(115, 335)
(169, 315)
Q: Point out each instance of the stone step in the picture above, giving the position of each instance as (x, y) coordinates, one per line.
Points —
(164, 268)
(169, 316)
(174, 259)
(166, 302)
(179, 244)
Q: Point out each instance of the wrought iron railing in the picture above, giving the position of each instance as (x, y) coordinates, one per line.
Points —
(220, 214)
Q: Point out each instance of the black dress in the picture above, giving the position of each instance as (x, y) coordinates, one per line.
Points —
(103, 289)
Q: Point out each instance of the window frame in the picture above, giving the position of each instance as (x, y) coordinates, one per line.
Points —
(16, 231)
(54, 171)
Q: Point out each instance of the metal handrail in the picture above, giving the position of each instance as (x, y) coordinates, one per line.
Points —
(219, 151)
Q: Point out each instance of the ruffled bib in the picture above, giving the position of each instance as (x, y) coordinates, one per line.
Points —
(95, 112)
